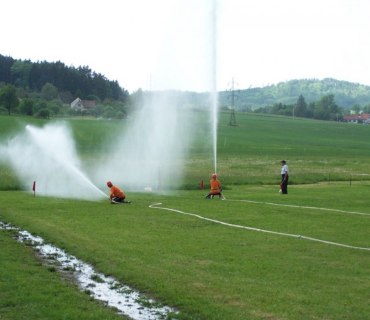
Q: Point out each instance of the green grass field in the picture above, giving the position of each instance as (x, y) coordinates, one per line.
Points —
(186, 258)
(250, 153)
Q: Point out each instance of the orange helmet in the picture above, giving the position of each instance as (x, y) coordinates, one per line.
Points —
(109, 184)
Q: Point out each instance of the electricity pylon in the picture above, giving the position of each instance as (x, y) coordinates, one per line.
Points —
(232, 121)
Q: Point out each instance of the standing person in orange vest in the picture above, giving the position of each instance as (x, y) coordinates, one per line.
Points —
(216, 189)
(116, 195)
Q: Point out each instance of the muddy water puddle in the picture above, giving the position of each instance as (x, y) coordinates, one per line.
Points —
(114, 294)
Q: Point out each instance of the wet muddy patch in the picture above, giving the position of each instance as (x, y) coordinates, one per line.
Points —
(111, 292)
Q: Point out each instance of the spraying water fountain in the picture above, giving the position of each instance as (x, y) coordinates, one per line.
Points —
(151, 155)
(148, 155)
(48, 156)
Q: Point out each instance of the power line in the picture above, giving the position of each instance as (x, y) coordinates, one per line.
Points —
(232, 121)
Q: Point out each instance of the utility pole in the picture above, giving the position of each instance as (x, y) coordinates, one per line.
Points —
(232, 121)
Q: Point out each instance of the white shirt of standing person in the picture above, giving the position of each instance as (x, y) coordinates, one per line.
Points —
(284, 169)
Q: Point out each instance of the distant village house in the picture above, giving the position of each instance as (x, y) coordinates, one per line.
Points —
(357, 118)
(82, 105)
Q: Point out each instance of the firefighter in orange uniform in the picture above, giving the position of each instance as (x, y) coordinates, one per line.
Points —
(216, 189)
(116, 195)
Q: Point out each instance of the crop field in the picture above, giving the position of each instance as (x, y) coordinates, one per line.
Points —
(256, 255)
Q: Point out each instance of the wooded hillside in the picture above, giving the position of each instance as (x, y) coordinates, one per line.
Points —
(70, 82)
(347, 94)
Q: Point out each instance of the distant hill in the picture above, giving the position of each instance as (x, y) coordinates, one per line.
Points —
(83, 82)
(347, 94)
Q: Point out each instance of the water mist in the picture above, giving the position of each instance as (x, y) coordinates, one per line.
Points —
(149, 154)
(150, 151)
(47, 155)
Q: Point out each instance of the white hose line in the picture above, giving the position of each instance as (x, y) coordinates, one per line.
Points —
(157, 206)
(302, 207)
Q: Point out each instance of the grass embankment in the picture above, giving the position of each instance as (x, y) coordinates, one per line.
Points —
(212, 271)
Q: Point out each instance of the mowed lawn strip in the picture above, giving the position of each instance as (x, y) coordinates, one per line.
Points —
(210, 271)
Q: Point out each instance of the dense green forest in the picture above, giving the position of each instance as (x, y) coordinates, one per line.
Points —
(47, 89)
(70, 82)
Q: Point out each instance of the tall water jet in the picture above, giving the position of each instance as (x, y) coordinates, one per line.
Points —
(214, 93)
(151, 153)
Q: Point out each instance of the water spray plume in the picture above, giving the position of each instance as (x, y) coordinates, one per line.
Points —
(150, 154)
(48, 156)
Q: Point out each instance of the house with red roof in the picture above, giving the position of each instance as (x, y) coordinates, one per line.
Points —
(357, 118)
(82, 105)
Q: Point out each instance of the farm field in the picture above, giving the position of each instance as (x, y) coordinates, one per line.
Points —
(256, 255)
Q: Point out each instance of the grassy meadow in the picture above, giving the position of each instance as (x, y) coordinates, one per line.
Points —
(197, 255)
(249, 153)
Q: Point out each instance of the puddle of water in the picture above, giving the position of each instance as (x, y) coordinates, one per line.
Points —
(115, 294)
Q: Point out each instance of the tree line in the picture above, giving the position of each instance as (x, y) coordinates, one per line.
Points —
(69, 81)
(44, 89)
(324, 109)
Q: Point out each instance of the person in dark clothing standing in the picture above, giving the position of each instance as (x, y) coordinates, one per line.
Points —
(284, 177)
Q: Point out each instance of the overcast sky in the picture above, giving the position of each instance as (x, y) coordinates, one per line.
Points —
(170, 44)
